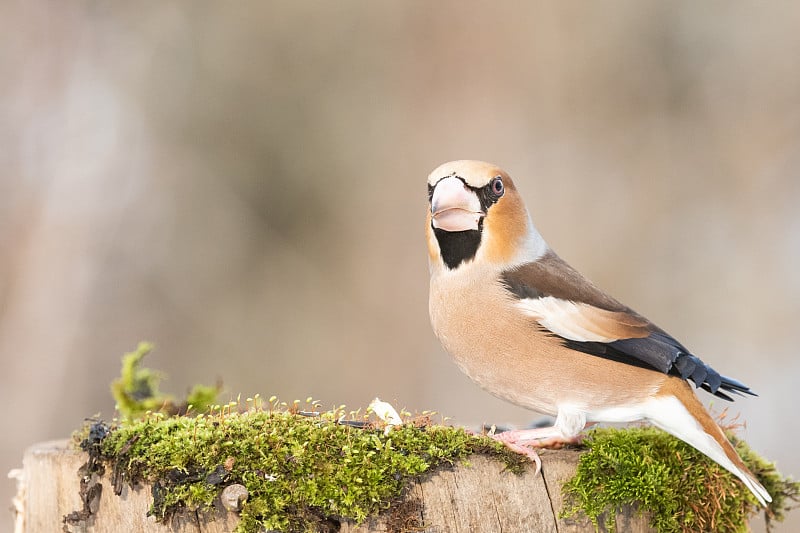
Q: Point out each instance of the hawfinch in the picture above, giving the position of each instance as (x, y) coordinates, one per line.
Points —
(530, 329)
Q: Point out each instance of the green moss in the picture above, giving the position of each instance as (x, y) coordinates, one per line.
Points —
(298, 470)
(137, 392)
(784, 491)
(679, 487)
(304, 472)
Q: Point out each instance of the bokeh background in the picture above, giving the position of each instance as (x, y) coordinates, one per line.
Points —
(245, 186)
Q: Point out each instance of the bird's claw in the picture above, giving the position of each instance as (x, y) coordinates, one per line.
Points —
(524, 441)
(524, 450)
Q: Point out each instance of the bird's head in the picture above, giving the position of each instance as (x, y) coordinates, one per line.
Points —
(477, 215)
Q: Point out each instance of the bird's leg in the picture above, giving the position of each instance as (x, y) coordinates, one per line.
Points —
(524, 441)
(548, 437)
(566, 430)
(513, 445)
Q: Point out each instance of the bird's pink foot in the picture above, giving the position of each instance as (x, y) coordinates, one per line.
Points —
(534, 439)
(524, 450)
(524, 440)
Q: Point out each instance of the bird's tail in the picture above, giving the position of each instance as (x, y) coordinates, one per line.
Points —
(678, 411)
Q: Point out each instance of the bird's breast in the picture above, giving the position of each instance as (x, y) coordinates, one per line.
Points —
(507, 353)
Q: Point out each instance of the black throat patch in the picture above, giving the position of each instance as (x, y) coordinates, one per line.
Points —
(458, 246)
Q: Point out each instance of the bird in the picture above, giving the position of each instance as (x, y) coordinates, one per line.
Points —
(530, 329)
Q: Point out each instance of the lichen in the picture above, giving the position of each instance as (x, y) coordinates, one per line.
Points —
(681, 489)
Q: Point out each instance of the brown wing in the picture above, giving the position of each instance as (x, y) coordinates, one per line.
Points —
(565, 303)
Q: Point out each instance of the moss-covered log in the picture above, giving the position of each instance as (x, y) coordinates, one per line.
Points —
(253, 466)
(478, 495)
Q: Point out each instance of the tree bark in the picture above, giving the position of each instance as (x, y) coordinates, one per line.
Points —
(475, 497)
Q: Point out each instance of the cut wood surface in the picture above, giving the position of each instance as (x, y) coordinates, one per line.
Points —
(479, 496)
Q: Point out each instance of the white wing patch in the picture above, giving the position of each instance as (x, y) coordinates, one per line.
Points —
(568, 319)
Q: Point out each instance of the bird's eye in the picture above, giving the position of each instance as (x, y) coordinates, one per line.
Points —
(497, 187)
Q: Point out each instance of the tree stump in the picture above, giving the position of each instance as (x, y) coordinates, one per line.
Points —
(477, 496)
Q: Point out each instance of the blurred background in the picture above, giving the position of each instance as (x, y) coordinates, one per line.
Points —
(245, 187)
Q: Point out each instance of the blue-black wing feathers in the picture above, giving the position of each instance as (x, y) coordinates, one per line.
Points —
(661, 352)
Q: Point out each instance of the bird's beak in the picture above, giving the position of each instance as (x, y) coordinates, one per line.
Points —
(454, 207)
